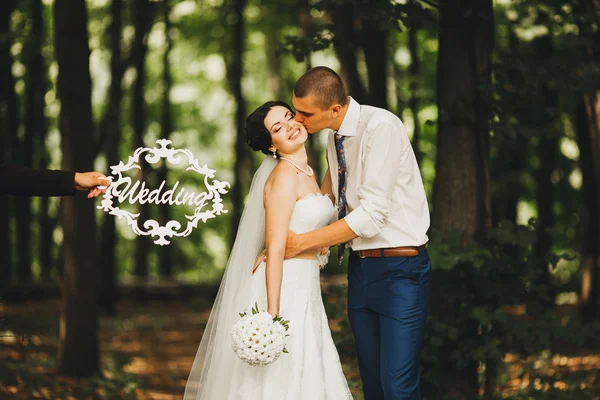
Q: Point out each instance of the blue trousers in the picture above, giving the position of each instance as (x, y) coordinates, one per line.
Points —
(387, 308)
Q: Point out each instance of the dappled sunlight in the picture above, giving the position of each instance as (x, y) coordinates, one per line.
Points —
(127, 347)
(7, 337)
(140, 366)
(149, 350)
(171, 336)
(497, 99)
(558, 371)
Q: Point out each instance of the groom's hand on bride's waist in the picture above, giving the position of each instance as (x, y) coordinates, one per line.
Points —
(293, 246)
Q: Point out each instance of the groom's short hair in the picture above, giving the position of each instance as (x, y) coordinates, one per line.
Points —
(323, 82)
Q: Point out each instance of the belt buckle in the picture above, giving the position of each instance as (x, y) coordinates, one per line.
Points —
(360, 254)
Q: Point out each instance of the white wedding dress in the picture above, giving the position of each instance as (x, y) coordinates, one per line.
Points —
(312, 369)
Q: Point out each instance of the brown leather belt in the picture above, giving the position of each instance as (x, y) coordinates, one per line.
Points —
(403, 251)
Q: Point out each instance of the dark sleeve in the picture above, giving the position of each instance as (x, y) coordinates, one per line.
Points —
(22, 181)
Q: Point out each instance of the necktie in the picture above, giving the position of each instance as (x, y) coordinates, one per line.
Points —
(339, 149)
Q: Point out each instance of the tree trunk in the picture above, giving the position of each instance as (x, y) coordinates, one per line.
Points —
(35, 123)
(547, 154)
(38, 80)
(47, 225)
(142, 20)
(59, 262)
(375, 44)
(588, 136)
(242, 152)
(273, 54)
(461, 197)
(23, 223)
(508, 164)
(464, 65)
(345, 45)
(111, 129)
(314, 145)
(78, 348)
(587, 120)
(415, 71)
(8, 132)
(304, 19)
(165, 256)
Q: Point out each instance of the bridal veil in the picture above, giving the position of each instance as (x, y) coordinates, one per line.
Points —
(215, 356)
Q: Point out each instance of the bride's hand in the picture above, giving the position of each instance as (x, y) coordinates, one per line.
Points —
(292, 247)
(259, 259)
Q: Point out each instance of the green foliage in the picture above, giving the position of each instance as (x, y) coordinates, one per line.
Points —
(300, 46)
(203, 111)
(487, 300)
(540, 69)
(386, 15)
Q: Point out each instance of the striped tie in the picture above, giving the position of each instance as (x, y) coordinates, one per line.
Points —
(339, 149)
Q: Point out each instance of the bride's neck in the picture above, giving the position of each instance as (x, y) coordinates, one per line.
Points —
(299, 157)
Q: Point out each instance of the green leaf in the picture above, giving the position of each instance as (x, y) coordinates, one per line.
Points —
(436, 341)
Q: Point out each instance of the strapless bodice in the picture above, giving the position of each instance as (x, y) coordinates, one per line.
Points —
(311, 212)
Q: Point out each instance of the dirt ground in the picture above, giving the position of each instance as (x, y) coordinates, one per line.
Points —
(147, 350)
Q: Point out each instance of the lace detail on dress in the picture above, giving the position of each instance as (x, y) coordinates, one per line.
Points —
(314, 194)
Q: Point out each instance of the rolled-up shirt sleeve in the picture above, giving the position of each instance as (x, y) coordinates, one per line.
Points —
(382, 160)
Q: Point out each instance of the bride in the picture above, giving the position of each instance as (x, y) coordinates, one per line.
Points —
(284, 195)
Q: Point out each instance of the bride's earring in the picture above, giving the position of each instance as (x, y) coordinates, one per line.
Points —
(274, 154)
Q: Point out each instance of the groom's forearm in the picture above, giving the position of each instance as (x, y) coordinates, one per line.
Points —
(330, 235)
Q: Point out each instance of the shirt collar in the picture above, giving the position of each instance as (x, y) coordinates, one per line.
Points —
(350, 123)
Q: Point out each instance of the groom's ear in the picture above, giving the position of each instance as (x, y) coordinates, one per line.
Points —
(335, 109)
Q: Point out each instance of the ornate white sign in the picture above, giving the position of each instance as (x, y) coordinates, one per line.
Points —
(123, 189)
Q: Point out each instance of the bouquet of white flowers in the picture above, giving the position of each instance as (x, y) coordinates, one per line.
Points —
(258, 339)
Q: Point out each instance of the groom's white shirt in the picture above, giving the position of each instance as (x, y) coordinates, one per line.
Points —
(387, 206)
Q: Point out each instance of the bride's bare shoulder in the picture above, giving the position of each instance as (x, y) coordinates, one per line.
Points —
(282, 172)
(283, 178)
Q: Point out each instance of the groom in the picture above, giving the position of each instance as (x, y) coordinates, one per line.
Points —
(383, 216)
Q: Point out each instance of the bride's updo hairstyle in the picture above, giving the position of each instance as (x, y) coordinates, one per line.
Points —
(257, 135)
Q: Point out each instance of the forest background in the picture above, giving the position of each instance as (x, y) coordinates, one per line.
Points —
(500, 99)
